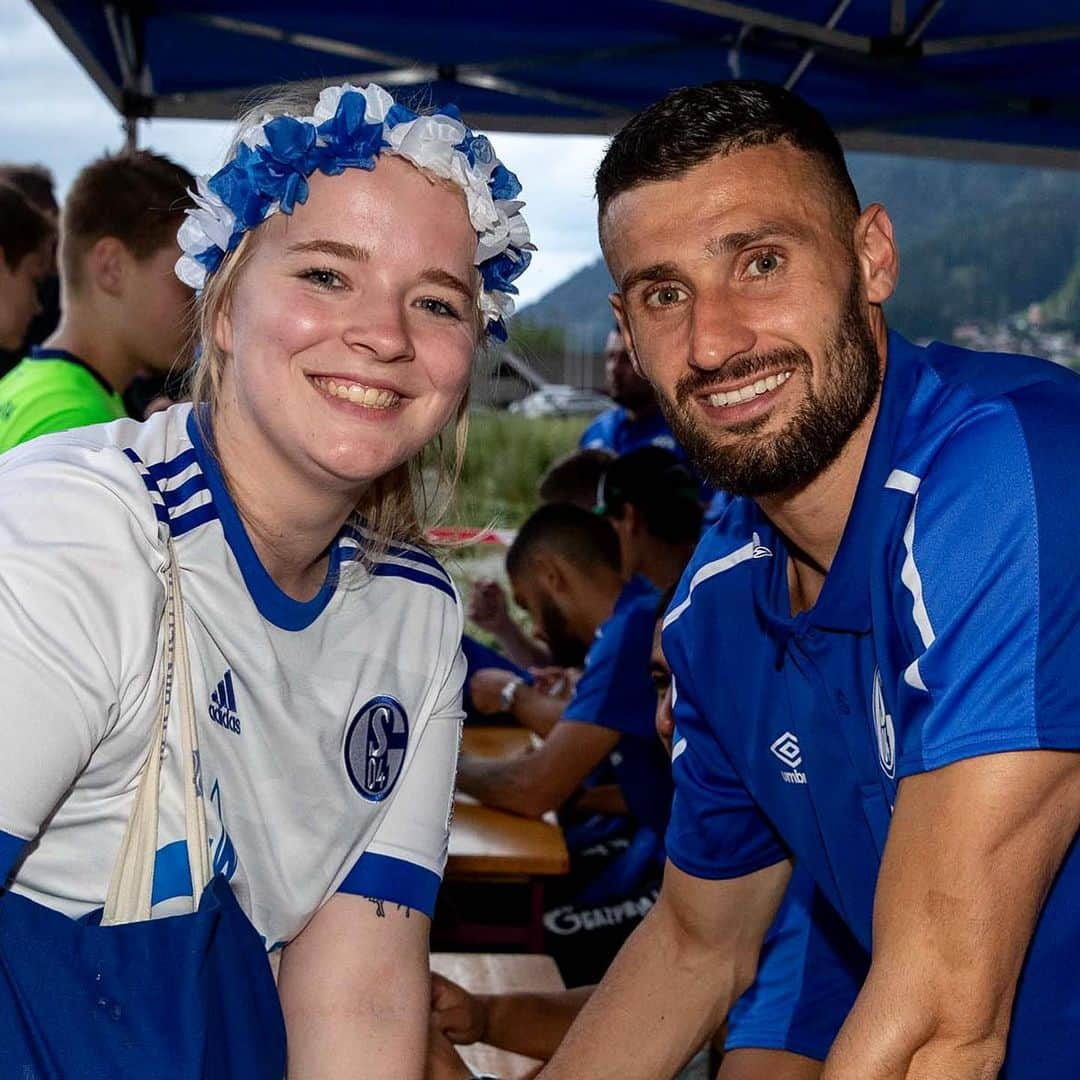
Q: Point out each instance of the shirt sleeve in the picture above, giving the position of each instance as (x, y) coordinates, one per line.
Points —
(986, 590)
(716, 829)
(405, 860)
(79, 591)
(608, 691)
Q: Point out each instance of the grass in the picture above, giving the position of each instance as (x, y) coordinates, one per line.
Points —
(506, 456)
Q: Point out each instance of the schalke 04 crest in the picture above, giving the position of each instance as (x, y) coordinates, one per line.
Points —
(375, 746)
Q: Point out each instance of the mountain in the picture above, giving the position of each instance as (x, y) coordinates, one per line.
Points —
(976, 242)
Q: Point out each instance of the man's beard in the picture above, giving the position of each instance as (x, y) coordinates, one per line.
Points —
(812, 439)
(566, 650)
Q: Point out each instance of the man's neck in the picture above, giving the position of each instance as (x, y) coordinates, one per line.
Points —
(662, 563)
(642, 412)
(812, 518)
(96, 345)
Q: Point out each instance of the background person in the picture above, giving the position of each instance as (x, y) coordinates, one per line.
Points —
(124, 310)
(337, 335)
(26, 241)
(893, 601)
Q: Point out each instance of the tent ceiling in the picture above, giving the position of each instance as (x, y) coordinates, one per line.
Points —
(993, 79)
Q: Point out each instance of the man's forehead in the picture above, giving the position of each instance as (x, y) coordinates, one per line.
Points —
(729, 193)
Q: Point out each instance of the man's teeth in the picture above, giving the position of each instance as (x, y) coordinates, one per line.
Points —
(750, 390)
(368, 396)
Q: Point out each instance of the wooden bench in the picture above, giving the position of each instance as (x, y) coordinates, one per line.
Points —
(498, 973)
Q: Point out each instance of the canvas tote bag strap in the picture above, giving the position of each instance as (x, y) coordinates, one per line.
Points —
(131, 886)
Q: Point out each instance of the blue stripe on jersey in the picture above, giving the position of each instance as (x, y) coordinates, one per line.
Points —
(165, 469)
(11, 848)
(382, 877)
(172, 873)
(393, 570)
(412, 554)
(192, 486)
(184, 523)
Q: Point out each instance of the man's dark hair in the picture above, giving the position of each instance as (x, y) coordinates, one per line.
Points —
(23, 227)
(575, 477)
(689, 126)
(660, 488)
(137, 197)
(35, 182)
(563, 529)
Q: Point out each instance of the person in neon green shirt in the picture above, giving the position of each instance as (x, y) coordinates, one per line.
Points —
(123, 309)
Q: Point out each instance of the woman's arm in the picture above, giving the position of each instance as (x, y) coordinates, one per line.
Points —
(354, 989)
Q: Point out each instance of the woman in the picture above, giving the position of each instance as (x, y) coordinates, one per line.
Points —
(348, 262)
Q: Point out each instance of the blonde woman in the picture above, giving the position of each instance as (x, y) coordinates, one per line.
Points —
(349, 257)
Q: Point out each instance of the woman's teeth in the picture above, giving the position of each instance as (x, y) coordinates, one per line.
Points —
(750, 390)
(368, 396)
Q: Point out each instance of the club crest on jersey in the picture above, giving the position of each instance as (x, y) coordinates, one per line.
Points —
(375, 745)
(883, 729)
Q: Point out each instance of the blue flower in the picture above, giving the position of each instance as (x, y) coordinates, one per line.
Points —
(476, 148)
(504, 184)
(502, 270)
(351, 142)
(497, 329)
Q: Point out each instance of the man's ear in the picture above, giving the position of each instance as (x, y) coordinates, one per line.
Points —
(110, 265)
(875, 250)
(551, 572)
(616, 301)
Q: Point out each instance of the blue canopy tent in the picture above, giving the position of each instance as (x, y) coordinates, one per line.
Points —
(991, 79)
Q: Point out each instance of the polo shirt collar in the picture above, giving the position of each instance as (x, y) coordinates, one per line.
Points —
(844, 603)
(39, 352)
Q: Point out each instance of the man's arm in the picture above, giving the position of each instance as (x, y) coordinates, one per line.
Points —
(674, 980)
(972, 851)
(354, 990)
(543, 779)
(531, 708)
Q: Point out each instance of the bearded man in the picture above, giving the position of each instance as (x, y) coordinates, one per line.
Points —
(874, 650)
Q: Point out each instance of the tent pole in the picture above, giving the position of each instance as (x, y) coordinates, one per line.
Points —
(131, 134)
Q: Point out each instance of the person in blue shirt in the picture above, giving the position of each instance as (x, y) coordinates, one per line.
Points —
(565, 571)
(635, 420)
(874, 651)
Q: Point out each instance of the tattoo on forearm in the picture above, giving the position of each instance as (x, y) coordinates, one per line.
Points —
(380, 907)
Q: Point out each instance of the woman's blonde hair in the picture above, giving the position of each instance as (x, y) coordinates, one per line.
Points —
(403, 504)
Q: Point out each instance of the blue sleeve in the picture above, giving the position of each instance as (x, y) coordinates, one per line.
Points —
(614, 690)
(716, 829)
(986, 589)
(11, 849)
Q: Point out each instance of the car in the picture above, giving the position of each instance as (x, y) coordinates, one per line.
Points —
(557, 399)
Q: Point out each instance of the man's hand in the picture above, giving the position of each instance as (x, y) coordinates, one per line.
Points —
(443, 1061)
(972, 851)
(557, 682)
(459, 1015)
(487, 606)
(485, 689)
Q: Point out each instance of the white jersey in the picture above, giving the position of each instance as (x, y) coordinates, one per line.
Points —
(328, 729)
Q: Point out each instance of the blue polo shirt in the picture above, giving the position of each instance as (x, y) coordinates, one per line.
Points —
(616, 430)
(948, 627)
(615, 691)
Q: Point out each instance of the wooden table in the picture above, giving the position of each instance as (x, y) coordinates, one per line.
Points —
(494, 973)
(489, 845)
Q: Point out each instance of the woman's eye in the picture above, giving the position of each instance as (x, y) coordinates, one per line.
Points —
(438, 307)
(665, 296)
(763, 265)
(324, 279)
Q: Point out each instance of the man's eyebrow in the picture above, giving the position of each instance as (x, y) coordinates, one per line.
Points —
(657, 272)
(435, 275)
(731, 242)
(332, 247)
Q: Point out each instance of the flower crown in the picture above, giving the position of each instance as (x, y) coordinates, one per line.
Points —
(349, 128)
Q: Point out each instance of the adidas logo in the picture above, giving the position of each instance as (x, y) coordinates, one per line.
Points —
(223, 705)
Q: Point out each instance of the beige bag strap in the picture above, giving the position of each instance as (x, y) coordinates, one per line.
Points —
(131, 886)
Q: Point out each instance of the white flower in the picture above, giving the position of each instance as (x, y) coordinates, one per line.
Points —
(191, 273)
(496, 305)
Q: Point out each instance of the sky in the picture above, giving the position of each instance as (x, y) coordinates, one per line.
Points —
(51, 112)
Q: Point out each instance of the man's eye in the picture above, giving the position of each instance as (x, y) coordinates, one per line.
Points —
(665, 296)
(323, 278)
(764, 264)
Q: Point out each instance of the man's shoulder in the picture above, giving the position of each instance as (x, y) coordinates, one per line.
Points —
(599, 435)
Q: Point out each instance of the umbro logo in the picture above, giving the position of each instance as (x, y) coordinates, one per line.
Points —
(786, 748)
(759, 551)
(223, 704)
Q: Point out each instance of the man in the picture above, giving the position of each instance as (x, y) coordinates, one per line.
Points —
(123, 308)
(565, 572)
(26, 242)
(636, 419)
(888, 614)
